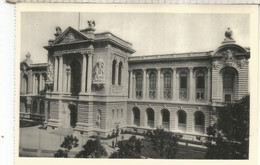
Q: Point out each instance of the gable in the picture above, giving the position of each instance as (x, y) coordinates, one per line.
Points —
(70, 35)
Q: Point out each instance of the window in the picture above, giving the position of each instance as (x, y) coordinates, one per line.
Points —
(182, 120)
(113, 72)
(152, 85)
(139, 83)
(199, 121)
(42, 108)
(228, 80)
(200, 86)
(117, 113)
(183, 80)
(120, 73)
(228, 97)
(122, 113)
(183, 86)
(150, 117)
(167, 86)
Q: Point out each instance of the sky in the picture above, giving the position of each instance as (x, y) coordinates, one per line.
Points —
(150, 33)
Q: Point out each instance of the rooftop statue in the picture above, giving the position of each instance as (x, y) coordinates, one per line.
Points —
(91, 23)
(228, 34)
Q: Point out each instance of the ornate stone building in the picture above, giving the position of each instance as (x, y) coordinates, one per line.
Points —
(93, 84)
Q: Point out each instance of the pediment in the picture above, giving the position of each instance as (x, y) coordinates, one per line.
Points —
(70, 35)
(229, 51)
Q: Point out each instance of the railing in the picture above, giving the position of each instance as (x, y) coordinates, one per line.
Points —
(166, 125)
(200, 94)
(200, 128)
(167, 94)
(182, 126)
(138, 94)
(183, 94)
(150, 123)
(152, 94)
(137, 122)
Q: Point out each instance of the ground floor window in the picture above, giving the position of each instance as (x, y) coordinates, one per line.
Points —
(182, 116)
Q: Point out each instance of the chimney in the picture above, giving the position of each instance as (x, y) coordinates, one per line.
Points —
(89, 31)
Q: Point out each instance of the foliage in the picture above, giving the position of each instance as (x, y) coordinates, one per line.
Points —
(229, 138)
(68, 143)
(164, 143)
(128, 149)
(92, 149)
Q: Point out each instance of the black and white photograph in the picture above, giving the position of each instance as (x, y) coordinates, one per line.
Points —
(135, 85)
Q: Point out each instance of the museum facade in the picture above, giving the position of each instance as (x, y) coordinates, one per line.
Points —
(93, 85)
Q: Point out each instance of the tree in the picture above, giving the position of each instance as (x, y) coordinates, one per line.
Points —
(92, 149)
(164, 143)
(229, 138)
(128, 149)
(68, 143)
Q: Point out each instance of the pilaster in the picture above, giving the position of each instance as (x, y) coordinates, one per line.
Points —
(144, 85)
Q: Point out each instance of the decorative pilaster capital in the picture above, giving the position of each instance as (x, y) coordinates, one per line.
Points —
(174, 69)
(158, 69)
(144, 69)
(209, 67)
(90, 54)
(130, 70)
(191, 68)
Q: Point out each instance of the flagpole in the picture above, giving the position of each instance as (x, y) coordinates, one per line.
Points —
(79, 21)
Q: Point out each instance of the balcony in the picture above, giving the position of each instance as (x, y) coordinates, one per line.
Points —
(200, 128)
(150, 123)
(138, 94)
(167, 94)
(166, 125)
(183, 94)
(182, 127)
(137, 122)
(152, 94)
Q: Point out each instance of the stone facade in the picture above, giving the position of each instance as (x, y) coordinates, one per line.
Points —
(93, 84)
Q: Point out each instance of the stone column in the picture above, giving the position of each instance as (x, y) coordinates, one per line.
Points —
(55, 74)
(89, 82)
(43, 82)
(158, 83)
(191, 86)
(144, 84)
(46, 110)
(116, 74)
(131, 83)
(36, 84)
(60, 73)
(174, 83)
(83, 75)
(30, 82)
(209, 83)
(69, 79)
(40, 84)
(33, 85)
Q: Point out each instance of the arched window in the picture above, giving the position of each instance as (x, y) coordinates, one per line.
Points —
(139, 85)
(167, 81)
(114, 72)
(42, 108)
(35, 107)
(136, 116)
(150, 117)
(229, 83)
(182, 116)
(152, 85)
(75, 78)
(165, 118)
(199, 121)
(183, 86)
(73, 115)
(200, 86)
(120, 73)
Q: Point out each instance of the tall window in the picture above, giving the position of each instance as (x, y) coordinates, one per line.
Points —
(152, 85)
(200, 86)
(182, 120)
(150, 117)
(41, 108)
(75, 78)
(167, 85)
(114, 72)
(25, 84)
(165, 118)
(113, 114)
(139, 85)
(228, 84)
(120, 73)
(199, 121)
(183, 86)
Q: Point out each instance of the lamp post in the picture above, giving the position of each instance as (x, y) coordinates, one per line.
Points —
(117, 131)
